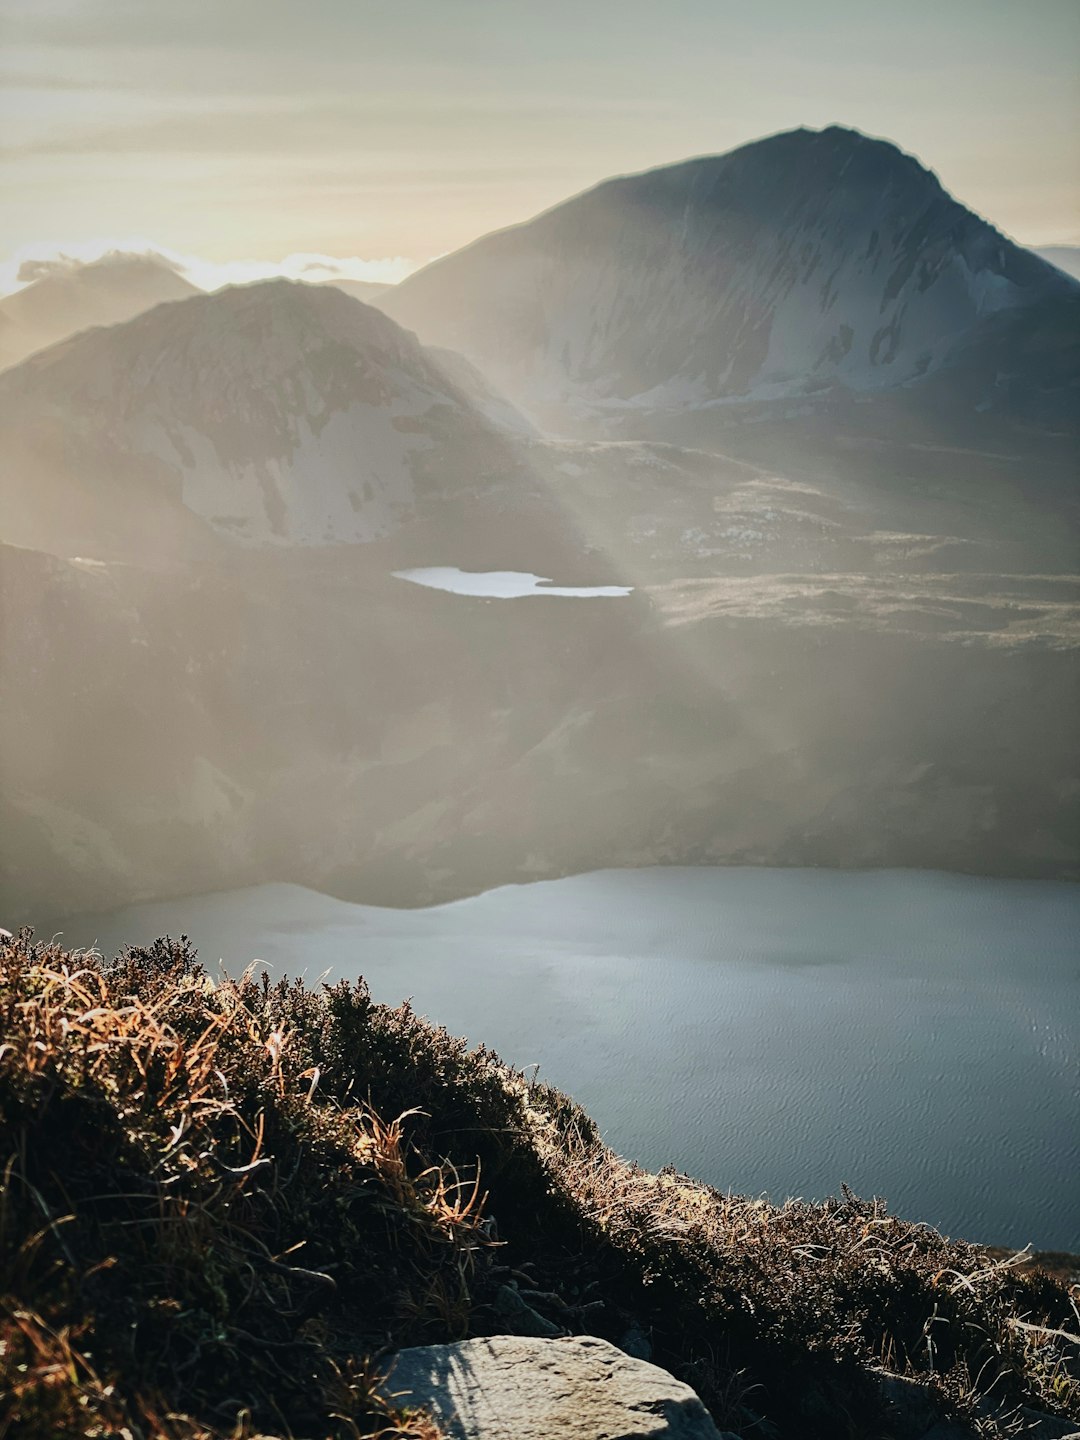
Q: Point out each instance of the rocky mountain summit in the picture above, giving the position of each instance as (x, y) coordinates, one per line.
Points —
(782, 270)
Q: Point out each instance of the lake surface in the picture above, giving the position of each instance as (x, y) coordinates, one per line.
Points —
(500, 584)
(915, 1035)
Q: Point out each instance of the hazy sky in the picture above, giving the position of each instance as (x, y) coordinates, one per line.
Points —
(252, 129)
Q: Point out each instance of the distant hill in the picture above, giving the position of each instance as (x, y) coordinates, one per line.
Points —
(365, 290)
(1065, 257)
(800, 266)
(70, 296)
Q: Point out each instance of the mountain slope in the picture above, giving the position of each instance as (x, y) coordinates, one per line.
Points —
(277, 413)
(70, 297)
(801, 262)
(302, 714)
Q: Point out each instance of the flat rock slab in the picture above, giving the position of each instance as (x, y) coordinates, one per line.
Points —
(516, 1387)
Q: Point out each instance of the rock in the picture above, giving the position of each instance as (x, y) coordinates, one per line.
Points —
(575, 1388)
(916, 1416)
(636, 1344)
(520, 1317)
(912, 1408)
(950, 1430)
(1047, 1427)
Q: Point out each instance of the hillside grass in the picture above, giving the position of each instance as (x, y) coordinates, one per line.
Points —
(223, 1204)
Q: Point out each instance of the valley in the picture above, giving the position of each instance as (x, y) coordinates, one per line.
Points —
(848, 614)
(308, 716)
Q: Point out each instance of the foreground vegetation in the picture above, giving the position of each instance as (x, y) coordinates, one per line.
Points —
(223, 1203)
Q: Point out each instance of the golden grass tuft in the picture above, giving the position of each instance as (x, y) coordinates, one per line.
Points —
(222, 1206)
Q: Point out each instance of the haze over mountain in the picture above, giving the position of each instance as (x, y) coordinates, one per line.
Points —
(861, 651)
(271, 413)
(65, 297)
(365, 290)
(62, 295)
(787, 268)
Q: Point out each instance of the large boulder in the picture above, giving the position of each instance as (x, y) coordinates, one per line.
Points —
(576, 1388)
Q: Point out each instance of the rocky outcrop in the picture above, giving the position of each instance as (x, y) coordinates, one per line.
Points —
(1047, 1427)
(578, 1388)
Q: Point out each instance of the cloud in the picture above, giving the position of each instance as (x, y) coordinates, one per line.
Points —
(31, 270)
(35, 262)
(210, 275)
(41, 267)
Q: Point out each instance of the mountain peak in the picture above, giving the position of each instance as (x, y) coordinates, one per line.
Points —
(876, 157)
(242, 335)
(277, 413)
(802, 161)
(314, 305)
(799, 262)
(839, 138)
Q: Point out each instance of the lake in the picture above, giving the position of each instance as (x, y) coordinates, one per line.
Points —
(500, 584)
(912, 1034)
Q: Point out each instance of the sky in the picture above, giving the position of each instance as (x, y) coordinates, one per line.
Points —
(238, 133)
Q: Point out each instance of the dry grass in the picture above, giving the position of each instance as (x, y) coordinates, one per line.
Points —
(210, 1227)
(171, 1188)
